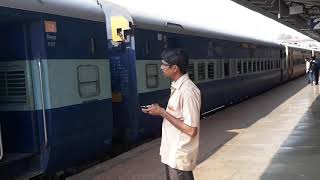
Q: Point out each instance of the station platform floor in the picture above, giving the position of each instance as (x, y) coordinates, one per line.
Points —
(274, 136)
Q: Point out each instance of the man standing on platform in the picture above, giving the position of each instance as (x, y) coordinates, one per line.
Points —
(308, 70)
(181, 119)
(317, 71)
(315, 68)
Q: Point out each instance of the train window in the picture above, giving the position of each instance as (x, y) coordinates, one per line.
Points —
(191, 71)
(266, 65)
(274, 64)
(88, 81)
(262, 65)
(146, 50)
(239, 67)
(201, 71)
(271, 64)
(245, 68)
(258, 65)
(233, 67)
(93, 45)
(226, 69)
(219, 69)
(152, 76)
(210, 49)
(211, 70)
(249, 66)
(268, 68)
(254, 66)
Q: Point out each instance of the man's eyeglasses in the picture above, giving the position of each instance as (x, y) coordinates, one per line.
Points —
(164, 63)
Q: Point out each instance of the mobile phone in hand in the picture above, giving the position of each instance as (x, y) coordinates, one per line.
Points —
(145, 107)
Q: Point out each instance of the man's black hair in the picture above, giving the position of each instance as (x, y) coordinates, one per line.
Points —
(177, 57)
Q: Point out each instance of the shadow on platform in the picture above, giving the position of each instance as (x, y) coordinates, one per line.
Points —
(215, 132)
(299, 156)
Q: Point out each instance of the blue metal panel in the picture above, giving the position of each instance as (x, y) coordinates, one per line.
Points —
(72, 40)
(19, 132)
(12, 41)
(78, 133)
(124, 84)
(197, 47)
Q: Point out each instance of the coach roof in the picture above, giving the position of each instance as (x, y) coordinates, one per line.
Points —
(142, 20)
(83, 9)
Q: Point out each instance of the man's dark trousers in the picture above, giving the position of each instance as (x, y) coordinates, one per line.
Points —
(175, 174)
(316, 72)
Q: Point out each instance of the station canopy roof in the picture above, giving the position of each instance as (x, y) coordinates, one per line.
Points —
(301, 15)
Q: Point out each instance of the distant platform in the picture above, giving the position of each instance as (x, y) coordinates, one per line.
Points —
(273, 136)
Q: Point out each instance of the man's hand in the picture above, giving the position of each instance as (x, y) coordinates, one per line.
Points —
(154, 110)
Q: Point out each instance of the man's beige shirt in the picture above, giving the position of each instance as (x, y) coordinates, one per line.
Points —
(178, 150)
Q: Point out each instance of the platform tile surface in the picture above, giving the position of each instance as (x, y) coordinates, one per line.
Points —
(273, 136)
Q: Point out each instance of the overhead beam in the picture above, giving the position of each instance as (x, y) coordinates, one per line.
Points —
(271, 10)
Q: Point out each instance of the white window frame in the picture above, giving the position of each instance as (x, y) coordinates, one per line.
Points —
(97, 82)
(152, 75)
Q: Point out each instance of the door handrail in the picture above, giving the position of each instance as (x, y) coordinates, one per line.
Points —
(1, 147)
(43, 105)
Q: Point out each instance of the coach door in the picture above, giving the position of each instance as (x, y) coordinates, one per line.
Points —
(121, 51)
(19, 141)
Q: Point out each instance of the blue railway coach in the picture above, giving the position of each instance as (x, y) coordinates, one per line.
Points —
(74, 73)
(55, 89)
(226, 68)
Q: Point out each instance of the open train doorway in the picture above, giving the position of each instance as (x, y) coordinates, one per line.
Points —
(19, 132)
